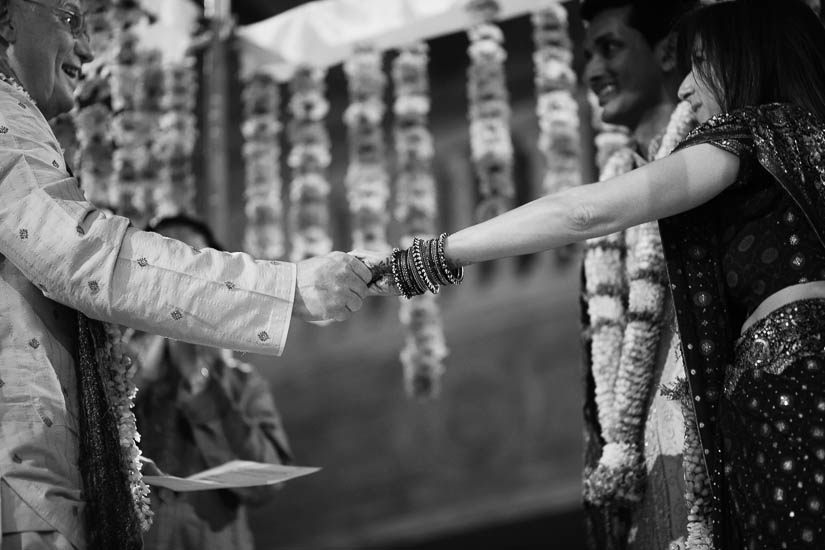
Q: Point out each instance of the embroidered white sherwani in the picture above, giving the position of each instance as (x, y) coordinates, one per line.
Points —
(59, 254)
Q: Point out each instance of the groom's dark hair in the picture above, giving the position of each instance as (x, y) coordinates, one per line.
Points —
(654, 19)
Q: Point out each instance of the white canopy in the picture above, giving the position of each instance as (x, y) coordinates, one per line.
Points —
(323, 33)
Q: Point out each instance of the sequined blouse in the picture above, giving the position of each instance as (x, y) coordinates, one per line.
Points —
(767, 243)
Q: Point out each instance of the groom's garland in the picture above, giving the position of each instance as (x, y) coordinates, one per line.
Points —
(425, 347)
(624, 346)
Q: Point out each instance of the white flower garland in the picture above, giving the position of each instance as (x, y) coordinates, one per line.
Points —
(309, 158)
(489, 112)
(367, 180)
(264, 236)
(623, 386)
(175, 138)
(121, 392)
(425, 345)
(132, 89)
(556, 108)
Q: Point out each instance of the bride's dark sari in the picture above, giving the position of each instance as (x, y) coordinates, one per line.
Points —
(759, 400)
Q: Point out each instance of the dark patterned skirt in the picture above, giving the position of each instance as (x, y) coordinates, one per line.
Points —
(772, 422)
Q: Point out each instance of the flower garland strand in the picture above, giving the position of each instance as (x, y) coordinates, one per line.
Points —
(620, 473)
(133, 84)
(121, 392)
(556, 108)
(425, 345)
(264, 236)
(489, 112)
(367, 180)
(175, 139)
(309, 158)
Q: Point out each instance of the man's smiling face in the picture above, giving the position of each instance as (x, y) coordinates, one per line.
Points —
(622, 68)
(47, 50)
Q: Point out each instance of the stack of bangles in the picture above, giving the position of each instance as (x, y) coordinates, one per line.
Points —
(423, 267)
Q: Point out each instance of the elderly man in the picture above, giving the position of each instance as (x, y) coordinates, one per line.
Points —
(631, 67)
(65, 266)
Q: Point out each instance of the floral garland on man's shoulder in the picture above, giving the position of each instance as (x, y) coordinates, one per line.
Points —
(623, 382)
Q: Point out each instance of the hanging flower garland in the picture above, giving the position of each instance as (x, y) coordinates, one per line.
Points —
(264, 236)
(425, 346)
(624, 345)
(121, 390)
(556, 108)
(489, 112)
(174, 142)
(367, 180)
(132, 87)
(309, 158)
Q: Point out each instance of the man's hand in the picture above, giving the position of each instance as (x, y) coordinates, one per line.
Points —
(381, 281)
(330, 287)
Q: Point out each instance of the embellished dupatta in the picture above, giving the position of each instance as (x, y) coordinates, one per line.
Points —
(789, 143)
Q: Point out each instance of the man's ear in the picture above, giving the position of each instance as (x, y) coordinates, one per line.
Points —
(665, 52)
(8, 31)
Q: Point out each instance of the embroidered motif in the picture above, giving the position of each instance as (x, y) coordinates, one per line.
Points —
(55, 164)
(263, 336)
(230, 285)
(24, 234)
(142, 262)
(80, 230)
(4, 130)
(94, 287)
(21, 105)
(34, 343)
(176, 314)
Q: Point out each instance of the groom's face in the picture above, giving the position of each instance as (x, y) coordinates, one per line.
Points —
(622, 69)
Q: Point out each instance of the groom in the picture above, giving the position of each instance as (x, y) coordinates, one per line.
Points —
(631, 68)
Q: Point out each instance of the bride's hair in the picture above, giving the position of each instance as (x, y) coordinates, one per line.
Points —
(753, 52)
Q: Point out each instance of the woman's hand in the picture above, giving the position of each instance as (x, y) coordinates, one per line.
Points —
(382, 282)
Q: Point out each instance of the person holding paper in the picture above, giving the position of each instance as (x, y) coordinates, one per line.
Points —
(197, 408)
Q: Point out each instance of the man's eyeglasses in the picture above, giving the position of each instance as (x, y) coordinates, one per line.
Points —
(72, 19)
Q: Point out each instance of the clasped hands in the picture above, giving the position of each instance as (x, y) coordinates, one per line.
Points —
(332, 287)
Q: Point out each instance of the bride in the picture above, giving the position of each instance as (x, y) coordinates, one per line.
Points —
(741, 204)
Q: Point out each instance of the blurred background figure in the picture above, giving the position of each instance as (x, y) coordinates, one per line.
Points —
(198, 407)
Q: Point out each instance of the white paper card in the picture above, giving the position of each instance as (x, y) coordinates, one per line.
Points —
(237, 473)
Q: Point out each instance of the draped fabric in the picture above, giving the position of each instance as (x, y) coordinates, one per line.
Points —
(789, 144)
(111, 518)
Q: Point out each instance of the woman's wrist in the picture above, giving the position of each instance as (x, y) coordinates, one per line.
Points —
(423, 267)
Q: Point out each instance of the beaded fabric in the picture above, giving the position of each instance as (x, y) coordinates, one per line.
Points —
(789, 143)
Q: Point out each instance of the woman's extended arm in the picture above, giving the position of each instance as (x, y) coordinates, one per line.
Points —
(657, 190)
